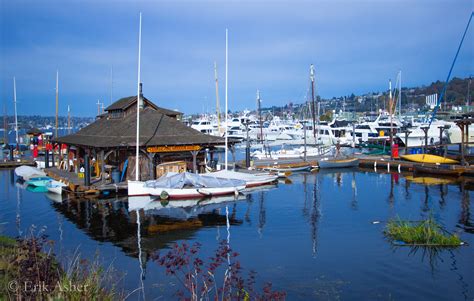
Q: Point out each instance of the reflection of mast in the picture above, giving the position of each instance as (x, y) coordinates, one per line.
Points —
(465, 215)
(315, 214)
(305, 189)
(18, 211)
(261, 214)
(391, 195)
(139, 243)
(249, 205)
(354, 193)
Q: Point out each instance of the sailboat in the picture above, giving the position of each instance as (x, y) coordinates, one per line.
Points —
(175, 186)
(250, 179)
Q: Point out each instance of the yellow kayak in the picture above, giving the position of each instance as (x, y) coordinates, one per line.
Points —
(427, 158)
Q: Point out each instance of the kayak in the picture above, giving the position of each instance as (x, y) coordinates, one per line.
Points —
(427, 158)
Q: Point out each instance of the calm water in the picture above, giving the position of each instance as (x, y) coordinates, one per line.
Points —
(313, 238)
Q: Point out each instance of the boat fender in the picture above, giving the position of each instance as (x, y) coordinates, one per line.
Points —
(236, 193)
(375, 165)
(164, 195)
(388, 167)
(399, 168)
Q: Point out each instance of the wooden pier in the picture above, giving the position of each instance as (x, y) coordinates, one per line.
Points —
(76, 186)
(15, 164)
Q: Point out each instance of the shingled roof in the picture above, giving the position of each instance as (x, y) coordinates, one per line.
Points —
(156, 129)
(126, 102)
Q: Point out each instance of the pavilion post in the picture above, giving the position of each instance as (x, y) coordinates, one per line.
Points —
(87, 169)
(194, 154)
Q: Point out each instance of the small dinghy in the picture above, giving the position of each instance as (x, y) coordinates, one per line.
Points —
(28, 172)
(39, 181)
(338, 163)
(55, 187)
(186, 186)
(250, 179)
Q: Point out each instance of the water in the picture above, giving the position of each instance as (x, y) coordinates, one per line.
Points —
(313, 238)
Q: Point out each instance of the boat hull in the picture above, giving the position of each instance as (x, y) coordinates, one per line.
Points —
(138, 188)
(338, 163)
(427, 158)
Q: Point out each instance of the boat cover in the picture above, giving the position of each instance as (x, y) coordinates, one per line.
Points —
(187, 180)
(27, 172)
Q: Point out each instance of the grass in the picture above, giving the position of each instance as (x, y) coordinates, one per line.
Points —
(427, 232)
(30, 260)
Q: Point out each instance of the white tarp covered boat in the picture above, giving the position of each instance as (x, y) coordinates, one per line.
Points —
(250, 179)
(186, 186)
(28, 172)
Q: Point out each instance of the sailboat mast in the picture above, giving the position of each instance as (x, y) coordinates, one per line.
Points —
(260, 115)
(390, 102)
(16, 116)
(400, 95)
(5, 124)
(68, 120)
(313, 111)
(57, 92)
(137, 148)
(226, 94)
(218, 110)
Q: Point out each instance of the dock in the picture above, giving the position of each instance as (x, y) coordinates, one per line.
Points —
(15, 164)
(98, 187)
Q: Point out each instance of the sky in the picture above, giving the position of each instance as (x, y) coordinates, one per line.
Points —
(355, 46)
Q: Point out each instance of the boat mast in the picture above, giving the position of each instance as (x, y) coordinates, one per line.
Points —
(218, 110)
(137, 152)
(5, 123)
(16, 116)
(226, 95)
(259, 102)
(68, 120)
(313, 111)
(57, 105)
(400, 95)
(390, 112)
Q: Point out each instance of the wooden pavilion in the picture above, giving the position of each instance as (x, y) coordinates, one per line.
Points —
(110, 141)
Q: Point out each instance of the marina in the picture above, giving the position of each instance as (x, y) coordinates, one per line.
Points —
(244, 151)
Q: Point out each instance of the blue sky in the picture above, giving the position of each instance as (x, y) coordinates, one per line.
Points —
(356, 46)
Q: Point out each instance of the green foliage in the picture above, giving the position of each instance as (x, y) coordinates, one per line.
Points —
(30, 261)
(426, 232)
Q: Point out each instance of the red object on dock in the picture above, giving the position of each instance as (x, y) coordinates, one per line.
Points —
(35, 151)
(395, 151)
